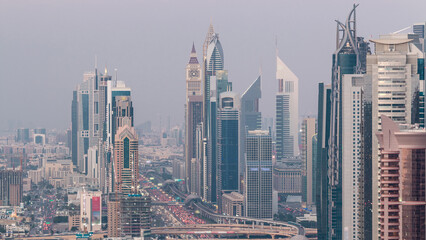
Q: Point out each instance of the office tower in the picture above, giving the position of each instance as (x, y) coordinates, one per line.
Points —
(287, 112)
(88, 117)
(251, 118)
(199, 163)
(308, 131)
(178, 169)
(10, 187)
(93, 163)
(74, 128)
(22, 135)
(193, 115)
(393, 72)
(228, 129)
(122, 112)
(355, 92)
(122, 108)
(402, 181)
(287, 177)
(118, 98)
(114, 211)
(129, 215)
(349, 58)
(258, 192)
(135, 215)
(321, 169)
(90, 211)
(126, 160)
(213, 61)
(40, 131)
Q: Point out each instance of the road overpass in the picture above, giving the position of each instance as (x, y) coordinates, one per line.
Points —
(218, 218)
(223, 230)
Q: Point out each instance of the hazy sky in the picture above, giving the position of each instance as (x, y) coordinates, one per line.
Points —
(46, 46)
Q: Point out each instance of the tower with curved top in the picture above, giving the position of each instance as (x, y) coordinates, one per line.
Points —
(214, 80)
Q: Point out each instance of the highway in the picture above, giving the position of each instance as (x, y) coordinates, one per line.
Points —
(227, 230)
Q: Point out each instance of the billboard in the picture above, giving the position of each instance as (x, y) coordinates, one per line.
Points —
(96, 210)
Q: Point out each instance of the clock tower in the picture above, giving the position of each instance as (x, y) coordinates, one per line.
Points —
(193, 75)
(193, 117)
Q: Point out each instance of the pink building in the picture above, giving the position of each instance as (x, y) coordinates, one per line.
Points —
(402, 209)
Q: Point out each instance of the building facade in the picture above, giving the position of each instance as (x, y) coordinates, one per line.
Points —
(402, 181)
(287, 112)
(307, 133)
(394, 73)
(228, 130)
(126, 160)
(193, 115)
(258, 188)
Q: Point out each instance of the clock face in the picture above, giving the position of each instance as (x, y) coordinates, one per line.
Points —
(194, 73)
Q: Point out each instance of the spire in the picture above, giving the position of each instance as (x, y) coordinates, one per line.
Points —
(209, 37)
(193, 56)
(193, 48)
(106, 70)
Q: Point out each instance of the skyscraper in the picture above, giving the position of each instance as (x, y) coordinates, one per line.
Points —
(10, 187)
(126, 170)
(402, 181)
(22, 135)
(88, 117)
(354, 95)
(258, 188)
(308, 131)
(287, 112)
(349, 58)
(193, 115)
(228, 129)
(74, 128)
(321, 195)
(251, 117)
(394, 75)
(213, 86)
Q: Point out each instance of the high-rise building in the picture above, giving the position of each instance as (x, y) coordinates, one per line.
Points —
(193, 115)
(114, 220)
(90, 211)
(402, 181)
(22, 135)
(251, 118)
(307, 133)
(393, 72)
(321, 170)
(213, 62)
(349, 58)
(287, 112)
(129, 215)
(10, 187)
(354, 95)
(88, 117)
(74, 128)
(135, 215)
(228, 130)
(287, 177)
(258, 187)
(126, 160)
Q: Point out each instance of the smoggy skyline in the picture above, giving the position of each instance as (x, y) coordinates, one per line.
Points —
(46, 46)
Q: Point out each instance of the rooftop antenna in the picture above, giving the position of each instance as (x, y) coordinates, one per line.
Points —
(116, 70)
(276, 46)
(401, 30)
(96, 61)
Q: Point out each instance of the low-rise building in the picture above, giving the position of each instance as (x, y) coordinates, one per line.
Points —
(233, 204)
